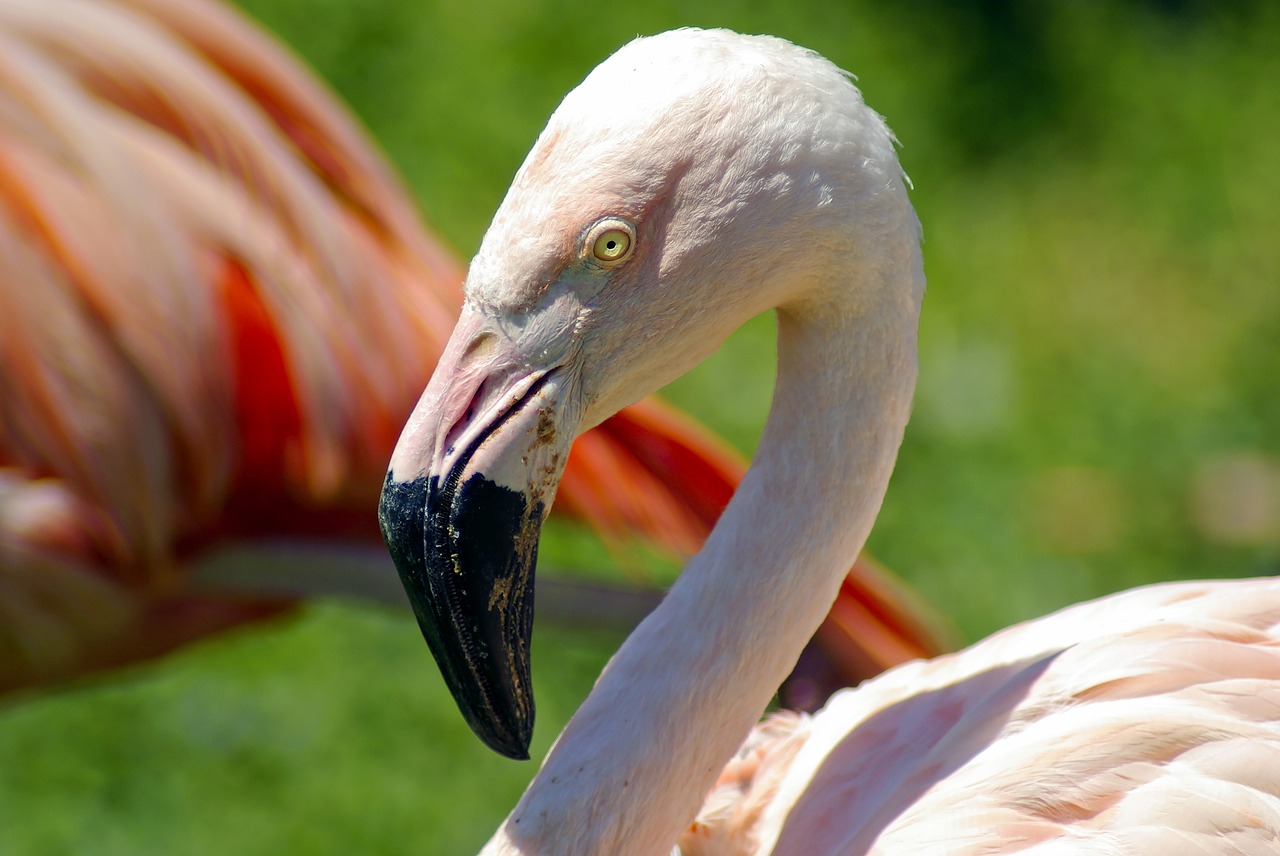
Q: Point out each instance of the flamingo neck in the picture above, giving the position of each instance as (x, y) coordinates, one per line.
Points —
(635, 762)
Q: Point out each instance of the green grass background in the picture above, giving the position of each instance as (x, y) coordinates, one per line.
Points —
(1100, 367)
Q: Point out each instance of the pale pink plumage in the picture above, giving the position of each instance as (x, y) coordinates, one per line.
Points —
(1144, 722)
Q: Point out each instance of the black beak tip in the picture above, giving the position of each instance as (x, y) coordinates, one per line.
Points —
(510, 742)
(480, 641)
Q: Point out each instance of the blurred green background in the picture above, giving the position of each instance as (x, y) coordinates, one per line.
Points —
(1097, 408)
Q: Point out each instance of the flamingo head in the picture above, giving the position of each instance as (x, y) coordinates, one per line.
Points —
(692, 181)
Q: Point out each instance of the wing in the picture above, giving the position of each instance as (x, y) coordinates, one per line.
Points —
(1147, 722)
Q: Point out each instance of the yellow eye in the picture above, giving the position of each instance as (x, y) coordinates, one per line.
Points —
(610, 242)
(612, 245)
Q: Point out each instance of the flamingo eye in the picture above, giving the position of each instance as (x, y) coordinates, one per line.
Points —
(612, 245)
(610, 242)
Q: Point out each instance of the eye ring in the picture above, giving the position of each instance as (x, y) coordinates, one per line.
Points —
(610, 242)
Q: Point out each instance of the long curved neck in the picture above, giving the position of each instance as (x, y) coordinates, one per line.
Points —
(635, 762)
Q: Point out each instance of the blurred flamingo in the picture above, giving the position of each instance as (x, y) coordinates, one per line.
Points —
(217, 306)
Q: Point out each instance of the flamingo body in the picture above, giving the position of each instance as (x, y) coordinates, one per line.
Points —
(1144, 722)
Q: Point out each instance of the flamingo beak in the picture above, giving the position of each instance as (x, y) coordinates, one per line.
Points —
(470, 482)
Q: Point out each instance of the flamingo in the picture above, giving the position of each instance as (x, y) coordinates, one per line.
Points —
(217, 306)
(692, 180)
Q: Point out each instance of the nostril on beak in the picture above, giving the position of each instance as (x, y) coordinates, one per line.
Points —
(464, 418)
(478, 351)
(480, 348)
